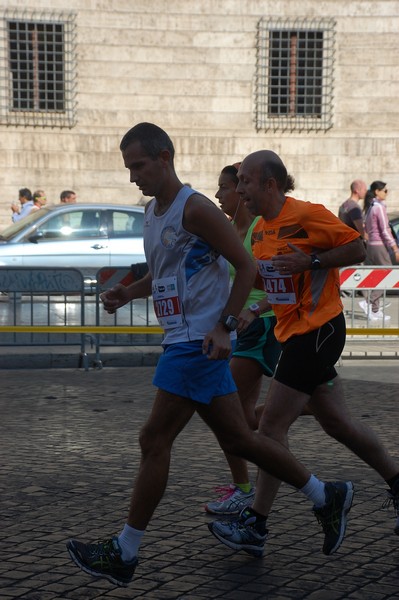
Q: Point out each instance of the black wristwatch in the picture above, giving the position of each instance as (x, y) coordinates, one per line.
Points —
(229, 322)
(315, 263)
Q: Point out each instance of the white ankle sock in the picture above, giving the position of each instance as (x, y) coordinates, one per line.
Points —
(314, 490)
(129, 541)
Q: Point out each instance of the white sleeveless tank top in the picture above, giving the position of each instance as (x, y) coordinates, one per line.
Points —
(190, 279)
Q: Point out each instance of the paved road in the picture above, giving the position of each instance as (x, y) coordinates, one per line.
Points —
(69, 443)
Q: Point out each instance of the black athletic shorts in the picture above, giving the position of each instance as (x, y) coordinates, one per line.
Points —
(308, 360)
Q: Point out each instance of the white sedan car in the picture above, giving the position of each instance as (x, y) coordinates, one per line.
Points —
(82, 236)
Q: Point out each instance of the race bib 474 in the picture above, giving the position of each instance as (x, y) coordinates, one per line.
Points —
(278, 286)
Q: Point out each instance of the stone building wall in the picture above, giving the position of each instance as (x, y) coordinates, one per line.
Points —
(189, 66)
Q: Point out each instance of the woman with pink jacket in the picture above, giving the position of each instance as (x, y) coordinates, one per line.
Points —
(380, 243)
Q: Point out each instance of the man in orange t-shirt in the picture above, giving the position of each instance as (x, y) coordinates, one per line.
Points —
(306, 300)
(299, 247)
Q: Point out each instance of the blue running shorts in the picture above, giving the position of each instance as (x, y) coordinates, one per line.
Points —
(184, 371)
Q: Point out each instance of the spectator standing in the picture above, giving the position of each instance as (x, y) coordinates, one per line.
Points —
(187, 242)
(68, 197)
(25, 205)
(39, 200)
(350, 212)
(380, 244)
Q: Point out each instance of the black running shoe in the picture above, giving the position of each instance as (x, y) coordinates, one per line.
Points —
(393, 498)
(103, 559)
(333, 515)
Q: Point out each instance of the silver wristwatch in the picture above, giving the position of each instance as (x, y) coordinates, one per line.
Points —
(255, 308)
(229, 322)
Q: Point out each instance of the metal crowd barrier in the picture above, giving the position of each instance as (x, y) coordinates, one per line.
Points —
(367, 337)
(43, 307)
(27, 315)
(132, 325)
(54, 307)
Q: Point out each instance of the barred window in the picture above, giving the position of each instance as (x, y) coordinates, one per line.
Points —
(38, 62)
(294, 75)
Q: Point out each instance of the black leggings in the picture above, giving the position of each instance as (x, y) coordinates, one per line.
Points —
(308, 360)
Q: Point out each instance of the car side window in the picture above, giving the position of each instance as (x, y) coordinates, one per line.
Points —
(90, 225)
(78, 224)
(126, 224)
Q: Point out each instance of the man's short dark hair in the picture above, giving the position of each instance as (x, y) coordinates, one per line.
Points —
(25, 193)
(152, 138)
(65, 194)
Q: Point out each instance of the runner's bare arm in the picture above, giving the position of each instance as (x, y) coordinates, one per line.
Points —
(119, 295)
(204, 219)
(298, 261)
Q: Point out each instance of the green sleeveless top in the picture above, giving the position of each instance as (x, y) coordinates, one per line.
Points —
(255, 295)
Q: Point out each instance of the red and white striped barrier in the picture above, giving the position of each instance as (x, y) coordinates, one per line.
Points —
(110, 276)
(367, 278)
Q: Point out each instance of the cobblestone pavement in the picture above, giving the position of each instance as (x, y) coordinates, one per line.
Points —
(69, 442)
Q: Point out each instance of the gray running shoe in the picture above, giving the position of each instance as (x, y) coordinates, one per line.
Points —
(103, 559)
(231, 502)
(334, 515)
(241, 534)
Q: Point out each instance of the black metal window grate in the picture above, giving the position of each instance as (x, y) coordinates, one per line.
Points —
(295, 74)
(37, 69)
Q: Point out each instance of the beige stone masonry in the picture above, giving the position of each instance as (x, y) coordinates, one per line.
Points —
(189, 66)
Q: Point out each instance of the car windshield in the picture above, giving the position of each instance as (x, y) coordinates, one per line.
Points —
(15, 228)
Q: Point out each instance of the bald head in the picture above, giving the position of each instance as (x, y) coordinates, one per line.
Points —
(268, 164)
(262, 180)
(358, 189)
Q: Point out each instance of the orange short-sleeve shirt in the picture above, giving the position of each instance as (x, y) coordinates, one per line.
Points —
(305, 301)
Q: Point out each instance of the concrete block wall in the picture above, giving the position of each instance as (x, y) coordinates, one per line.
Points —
(189, 66)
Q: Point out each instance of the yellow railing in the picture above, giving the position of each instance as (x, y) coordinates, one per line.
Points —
(77, 329)
(371, 331)
(150, 330)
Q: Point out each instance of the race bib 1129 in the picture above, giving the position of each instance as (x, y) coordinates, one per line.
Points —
(166, 302)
